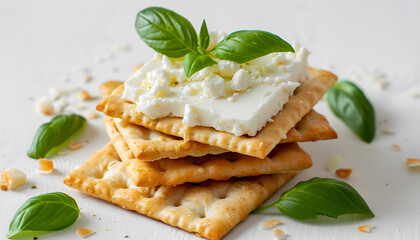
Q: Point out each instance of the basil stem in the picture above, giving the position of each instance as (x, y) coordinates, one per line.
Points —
(56, 134)
(166, 32)
(194, 62)
(349, 104)
(320, 196)
(43, 213)
(246, 45)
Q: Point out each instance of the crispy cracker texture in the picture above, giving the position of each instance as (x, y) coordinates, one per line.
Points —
(304, 98)
(284, 158)
(150, 145)
(209, 209)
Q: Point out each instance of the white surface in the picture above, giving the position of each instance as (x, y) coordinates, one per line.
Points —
(43, 41)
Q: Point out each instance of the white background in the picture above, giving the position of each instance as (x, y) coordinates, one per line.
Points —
(47, 44)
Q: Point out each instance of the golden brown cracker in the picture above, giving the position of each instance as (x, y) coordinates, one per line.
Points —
(304, 98)
(284, 158)
(209, 209)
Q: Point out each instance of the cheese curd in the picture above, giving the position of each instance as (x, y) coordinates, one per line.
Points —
(231, 97)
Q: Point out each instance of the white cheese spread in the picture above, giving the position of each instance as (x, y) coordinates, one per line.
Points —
(230, 97)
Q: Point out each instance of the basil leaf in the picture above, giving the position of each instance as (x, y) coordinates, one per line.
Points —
(43, 213)
(54, 135)
(349, 104)
(203, 38)
(166, 31)
(194, 62)
(243, 46)
(320, 196)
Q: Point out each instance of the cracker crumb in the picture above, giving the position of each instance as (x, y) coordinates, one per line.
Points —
(33, 186)
(87, 78)
(43, 105)
(269, 224)
(344, 172)
(126, 236)
(396, 147)
(45, 166)
(366, 228)
(333, 163)
(137, 67)
(35, 238)
(388, 131)
(91, 114)
(84, 232)
(279, 234)
(12, 178)
(85, 96)
(61, 152)
(413, 162)
(75, 145)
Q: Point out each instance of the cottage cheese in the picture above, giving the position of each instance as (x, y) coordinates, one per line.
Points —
(230, 97)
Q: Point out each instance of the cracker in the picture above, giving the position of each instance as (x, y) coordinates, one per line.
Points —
(304, 98)
(284, 158)
(150, 145)
(209, 209)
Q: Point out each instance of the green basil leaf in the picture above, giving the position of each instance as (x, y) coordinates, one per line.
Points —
(246, 45)
(349, 104)
(43, 213)
(194, 62)
(321, 196)
(166, 31)
(203, 38)
(54, 135)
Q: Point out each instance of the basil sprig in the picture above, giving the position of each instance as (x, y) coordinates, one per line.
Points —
(43, 213)
(320, 196)
(174, 36)
(56, 134)
(349, 104)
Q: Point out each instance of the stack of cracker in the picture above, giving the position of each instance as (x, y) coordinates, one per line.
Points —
(197, 178)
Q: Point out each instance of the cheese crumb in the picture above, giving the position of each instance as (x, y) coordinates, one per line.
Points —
(241, 80)
(43, 105)
(91, 114)
(84, 232)
(228, 68)
(12, 178)
(75, 145)
(191, 117)
(333, 163)
(413, 162)
(279, 234)
(214, 86)
(344, 172)
(269, 224)
(45, 166)
(55, 93)
(366, 228)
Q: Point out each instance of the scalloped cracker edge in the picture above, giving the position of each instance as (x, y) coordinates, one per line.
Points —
(284, 158)
(209, 209)
(304, 98)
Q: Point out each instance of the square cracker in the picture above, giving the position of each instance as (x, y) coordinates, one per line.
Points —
(209, 209)
(284, 158)
(148, 145)
(304, 98)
